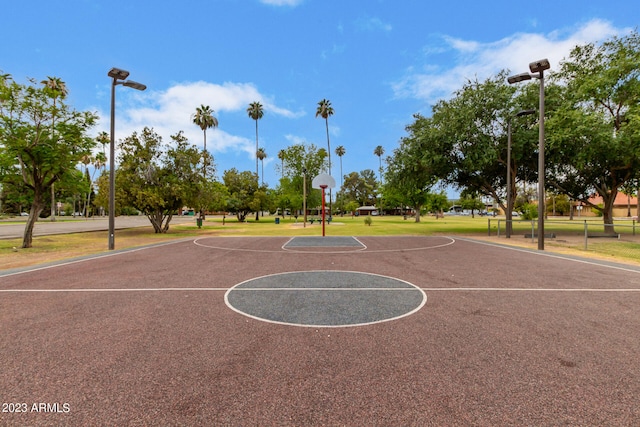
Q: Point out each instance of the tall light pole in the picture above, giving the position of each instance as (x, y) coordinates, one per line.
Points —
(537, 68)
(304, 197)
(509, 189)
(118, 77)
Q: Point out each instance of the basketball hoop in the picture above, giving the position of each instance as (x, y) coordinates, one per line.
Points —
(322, 182)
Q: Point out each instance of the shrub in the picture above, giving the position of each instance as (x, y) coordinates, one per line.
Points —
(368, 220)
(529, 211)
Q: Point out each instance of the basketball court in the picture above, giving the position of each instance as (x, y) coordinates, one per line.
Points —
(321, 331)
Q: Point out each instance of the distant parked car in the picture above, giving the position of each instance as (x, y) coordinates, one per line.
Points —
(24, 214)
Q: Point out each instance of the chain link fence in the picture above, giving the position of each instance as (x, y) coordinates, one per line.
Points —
(620, 240)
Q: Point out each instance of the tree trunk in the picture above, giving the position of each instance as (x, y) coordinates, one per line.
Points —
(165, 228)
(417, 208)
(156, 221)
(607, 213)
(34, 214)
(53, 203)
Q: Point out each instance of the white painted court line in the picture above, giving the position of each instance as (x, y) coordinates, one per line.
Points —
(551, 255)
(326, 289)
(533, 289)
(116, 290)
(322, 289)
(202, 245)
(346, 249)
(91, 258)
(264, 290)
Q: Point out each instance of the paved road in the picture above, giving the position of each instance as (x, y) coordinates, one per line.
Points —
(12, 230)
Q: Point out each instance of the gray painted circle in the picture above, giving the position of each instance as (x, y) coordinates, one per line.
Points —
(325, 298)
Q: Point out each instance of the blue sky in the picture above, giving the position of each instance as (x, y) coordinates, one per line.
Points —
(377, 61)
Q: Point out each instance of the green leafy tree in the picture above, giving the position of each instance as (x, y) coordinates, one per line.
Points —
(288, 197)
(156, 178)
(411, 169)
(437, 202)
(472, 128)
(245, 196)
(41, 153)
(558, 204)
(361, 187)
(471, 201)
(593, 134)
(102, 196)
(219, 196)
(297, 159)
(351, 206)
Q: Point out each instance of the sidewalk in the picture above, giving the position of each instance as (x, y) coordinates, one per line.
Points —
(14, 228)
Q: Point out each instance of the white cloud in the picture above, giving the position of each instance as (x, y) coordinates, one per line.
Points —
(295, 140)
(472, 59)
(171, 110)
(337, 49)
(291, 3)
(373, 24)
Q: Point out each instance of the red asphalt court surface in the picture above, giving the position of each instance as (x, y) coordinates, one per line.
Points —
(487, 336)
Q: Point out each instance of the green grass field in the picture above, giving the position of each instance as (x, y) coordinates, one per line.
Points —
(569, 236)
(346, 226)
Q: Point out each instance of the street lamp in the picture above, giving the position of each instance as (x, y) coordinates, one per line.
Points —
(118, 77)
(538, 68)
(509, 189)
(304, 197)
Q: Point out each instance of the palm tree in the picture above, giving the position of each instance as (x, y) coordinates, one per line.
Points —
(340, 151)
(104, 139)
(325, 110)
(56, 88)
(261, 154)
(379, 151)
(281, 155)
(100, 161)
(205, 119)
(255, 111)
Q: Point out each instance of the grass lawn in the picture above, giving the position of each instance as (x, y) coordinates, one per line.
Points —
(60, 247)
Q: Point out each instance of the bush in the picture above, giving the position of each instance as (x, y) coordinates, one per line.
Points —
(368, 220)
(529, 211)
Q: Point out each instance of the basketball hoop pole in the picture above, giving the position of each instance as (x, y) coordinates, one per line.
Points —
(322, 182)
(323, 187)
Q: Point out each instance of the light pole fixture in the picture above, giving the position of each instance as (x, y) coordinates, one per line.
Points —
(119, 78)
(509, 189)
(304, 197)
(537, 68)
